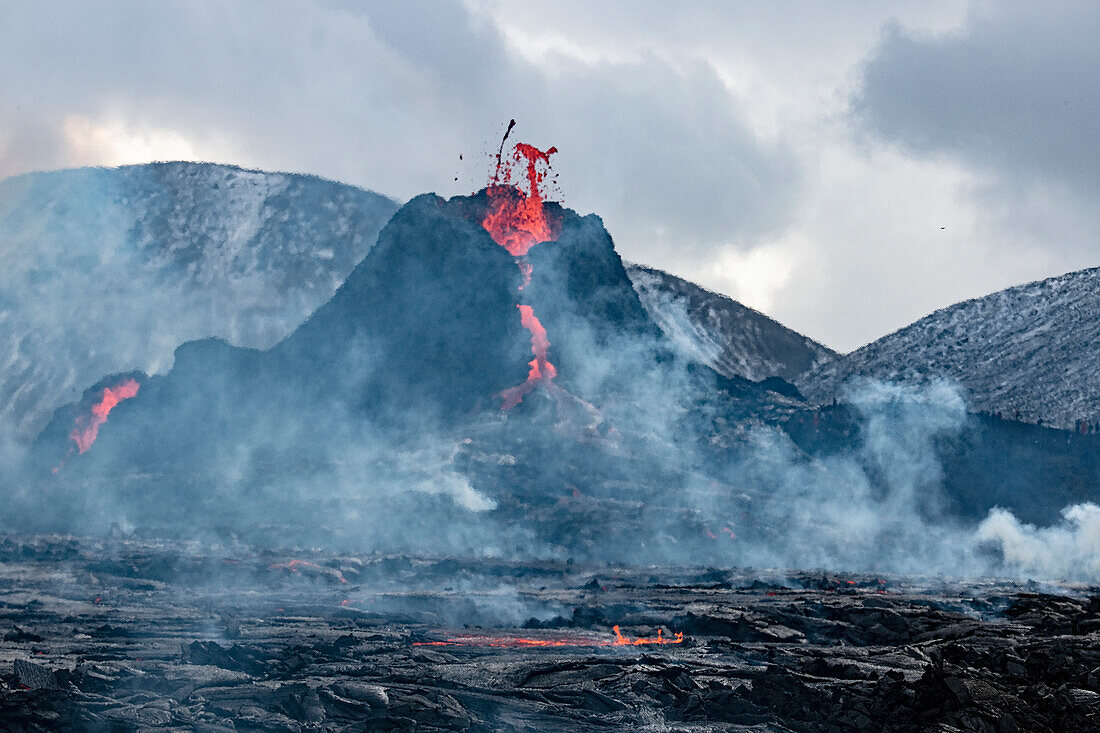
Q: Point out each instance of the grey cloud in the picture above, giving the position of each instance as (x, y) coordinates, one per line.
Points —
(663, 154)
(387, 96)
(27, 145)
(661, 151)
(1017, 94)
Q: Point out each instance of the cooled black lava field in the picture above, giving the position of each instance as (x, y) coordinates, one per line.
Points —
(130, 634)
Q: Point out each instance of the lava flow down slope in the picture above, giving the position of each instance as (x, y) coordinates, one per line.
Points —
(487, 380)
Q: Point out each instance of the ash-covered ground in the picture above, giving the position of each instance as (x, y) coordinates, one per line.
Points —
(129, 634)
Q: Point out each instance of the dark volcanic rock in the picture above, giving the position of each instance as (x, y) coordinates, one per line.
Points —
(36, 677)
(428, 320)
(425, 328)
(376, 653)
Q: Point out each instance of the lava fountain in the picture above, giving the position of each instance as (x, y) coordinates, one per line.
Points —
(517, 220)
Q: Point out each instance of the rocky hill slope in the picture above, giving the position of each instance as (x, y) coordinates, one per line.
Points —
(717, 331)
(1031, 348)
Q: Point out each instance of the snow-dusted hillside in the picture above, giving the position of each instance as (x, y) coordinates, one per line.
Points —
(718, 331)
(1033, 348)
(111, 269)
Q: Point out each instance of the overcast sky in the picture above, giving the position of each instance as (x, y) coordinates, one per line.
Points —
(843, 167)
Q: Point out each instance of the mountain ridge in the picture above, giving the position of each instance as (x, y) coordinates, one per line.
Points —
(722, 333)
(1027, 348)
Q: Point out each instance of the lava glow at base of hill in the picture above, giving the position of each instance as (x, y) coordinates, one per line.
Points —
(87, 427)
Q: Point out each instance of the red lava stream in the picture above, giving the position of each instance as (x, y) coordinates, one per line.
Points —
(517, 220)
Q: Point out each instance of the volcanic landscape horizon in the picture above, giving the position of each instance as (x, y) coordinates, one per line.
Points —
(477, 490)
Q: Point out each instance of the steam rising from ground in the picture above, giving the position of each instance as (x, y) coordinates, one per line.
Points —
(879, 507)
(865, 509)
(111, 269)
(876, 506)
(1070, 549)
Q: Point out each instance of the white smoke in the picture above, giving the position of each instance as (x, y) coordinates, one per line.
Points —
(862, 509)
(1070, 549)
(877, 506)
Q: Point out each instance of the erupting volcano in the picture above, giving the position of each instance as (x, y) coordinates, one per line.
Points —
(86, 429)
(517, 220)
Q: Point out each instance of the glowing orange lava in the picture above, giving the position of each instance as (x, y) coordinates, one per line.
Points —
(87, 426)
(521, 642)
(621, 640)
(294, 565)
(517, 220)
(540, 367)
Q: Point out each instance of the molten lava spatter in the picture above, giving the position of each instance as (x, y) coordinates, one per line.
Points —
(512, 642)
(621, 640)
(517, 220)
(86, 429)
